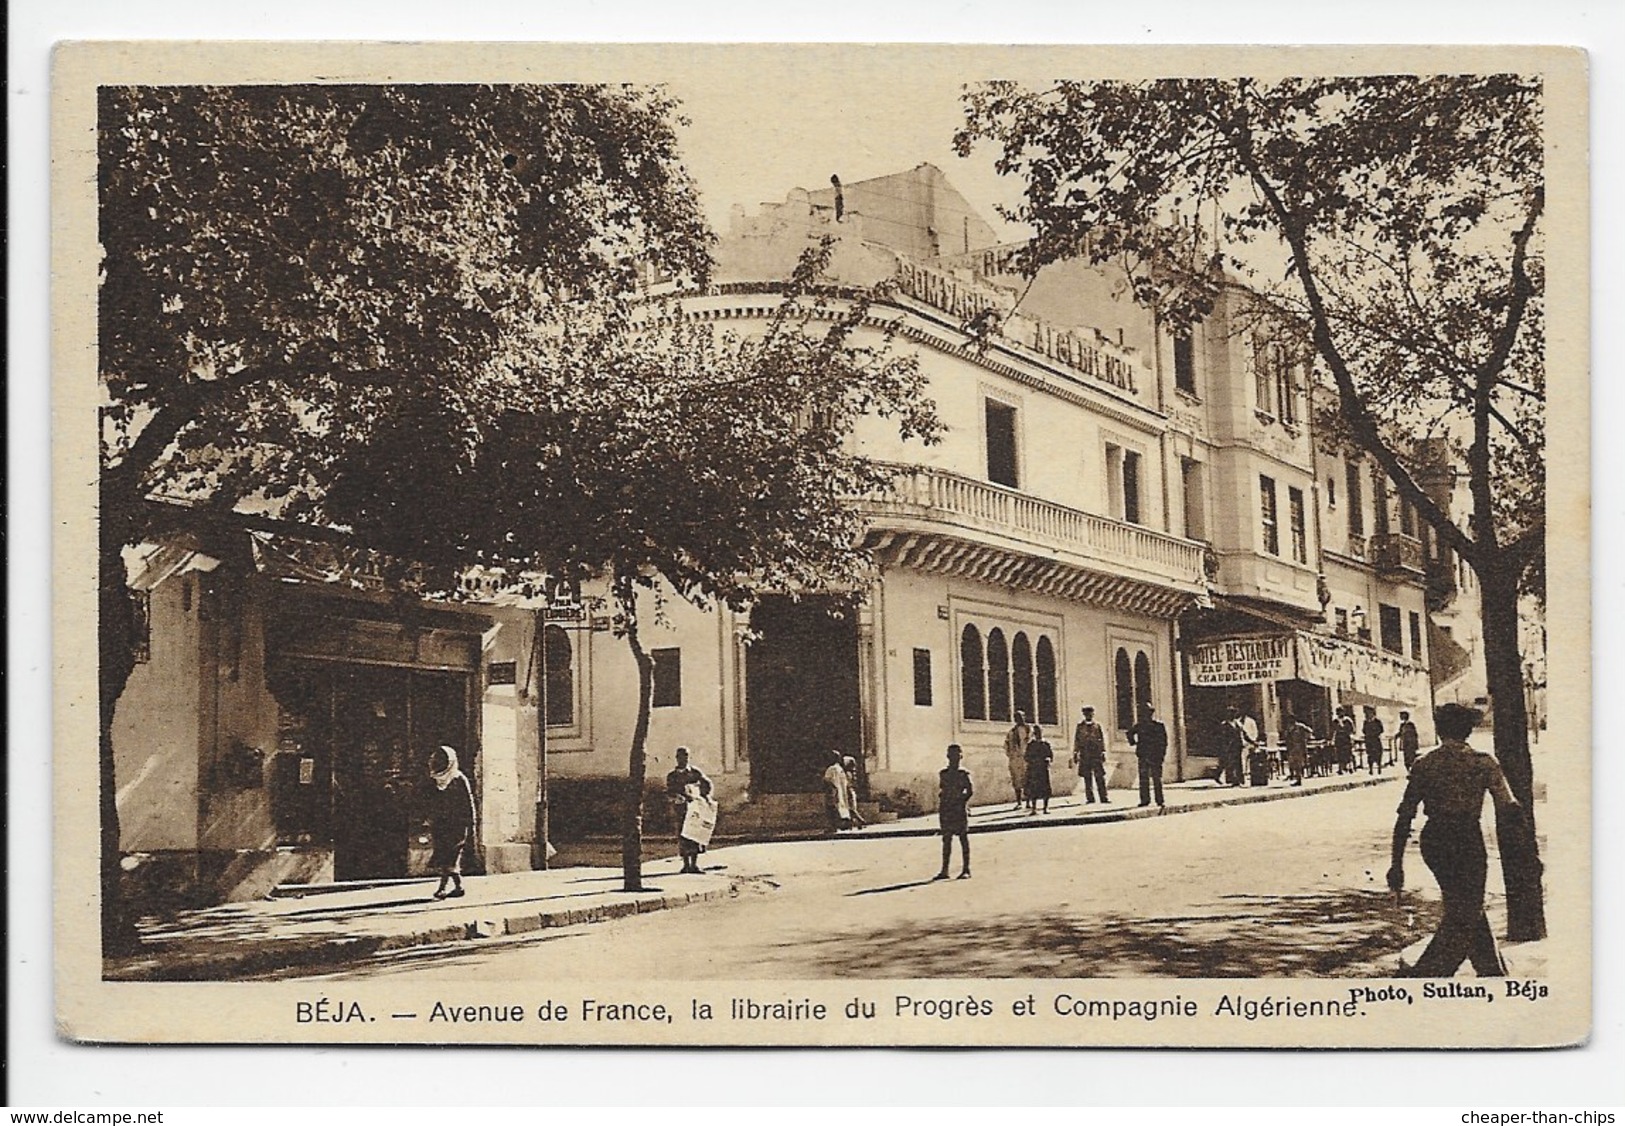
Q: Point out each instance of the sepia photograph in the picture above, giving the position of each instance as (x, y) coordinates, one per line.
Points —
(822, 545)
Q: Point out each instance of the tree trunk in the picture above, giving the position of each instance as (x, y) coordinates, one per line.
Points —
(637, 767)
(115, 661)
(1520, 855)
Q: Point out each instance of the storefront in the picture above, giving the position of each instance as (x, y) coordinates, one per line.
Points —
(277, 724)
(1299, 673)
(360, 707)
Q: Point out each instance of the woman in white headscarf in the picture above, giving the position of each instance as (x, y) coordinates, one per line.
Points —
(452, 821)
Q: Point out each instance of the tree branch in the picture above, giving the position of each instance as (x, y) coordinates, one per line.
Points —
(1361, 422)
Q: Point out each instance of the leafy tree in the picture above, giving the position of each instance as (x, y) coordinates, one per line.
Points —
(1398, 221)
(653, 453)
(291, 272)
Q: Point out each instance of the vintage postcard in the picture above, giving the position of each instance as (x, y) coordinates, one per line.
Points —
(821, 545)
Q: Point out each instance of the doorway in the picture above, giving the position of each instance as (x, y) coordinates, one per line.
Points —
(801, 691)
(357, 740)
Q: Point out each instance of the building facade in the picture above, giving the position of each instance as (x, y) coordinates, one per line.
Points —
(1117, 516)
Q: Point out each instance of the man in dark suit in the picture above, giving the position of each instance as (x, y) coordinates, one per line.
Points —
(1230, 748)
(1150, 741)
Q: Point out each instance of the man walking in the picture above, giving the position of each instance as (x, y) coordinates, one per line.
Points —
(1450, 782)
(1149, 739)
(1409, 742)
(1089, 754)
(1015, 753)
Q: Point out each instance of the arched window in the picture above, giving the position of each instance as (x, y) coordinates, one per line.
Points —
(1021, 676)
(1124, 684)
(558, 661)
(998, 676)
(1049, 709)
(972, 676)
(1142, 681)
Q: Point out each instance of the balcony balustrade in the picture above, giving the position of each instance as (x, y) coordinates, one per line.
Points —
(924, 497)
(1394, 553)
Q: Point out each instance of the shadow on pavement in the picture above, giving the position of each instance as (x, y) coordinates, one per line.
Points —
(1317, 935)
(891, 887)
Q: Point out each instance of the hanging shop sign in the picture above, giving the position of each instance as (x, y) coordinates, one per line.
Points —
(1241, 660)
(1358, 669)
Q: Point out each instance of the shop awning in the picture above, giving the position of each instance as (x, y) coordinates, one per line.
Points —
(1355, 670)
(1361, 671)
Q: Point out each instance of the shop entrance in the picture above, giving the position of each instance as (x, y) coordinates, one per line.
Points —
(1310, 704)
(801, 691)
(353, 749)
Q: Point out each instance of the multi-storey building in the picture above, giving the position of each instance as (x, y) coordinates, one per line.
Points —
(1117, 516)
(1027, 562)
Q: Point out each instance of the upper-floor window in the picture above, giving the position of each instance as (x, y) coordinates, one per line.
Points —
(1001, 443)
(1331, 492)
(1123, 483)
(1407, 518)
(1379, 501)
(1131, 486)
(1388, 628)
(1263, 376)
(1185, 362)
(1356, 513)
(1300, 536)
(1190, 479)
(1416, 636)
(1274, 389)
(1266, 503)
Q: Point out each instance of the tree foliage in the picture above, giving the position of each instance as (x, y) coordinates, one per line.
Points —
(648, 449)
(280, 262)
(290, 272)
(415, 313)
(1396, 221)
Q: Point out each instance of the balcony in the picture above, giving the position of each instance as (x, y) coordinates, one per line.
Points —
(1041, 543)
(1396, 555)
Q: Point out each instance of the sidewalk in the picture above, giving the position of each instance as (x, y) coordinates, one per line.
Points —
(329, 927)
(1073, 809)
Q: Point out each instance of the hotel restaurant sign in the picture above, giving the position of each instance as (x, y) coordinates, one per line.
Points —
(1327, 661)
(1242, 660)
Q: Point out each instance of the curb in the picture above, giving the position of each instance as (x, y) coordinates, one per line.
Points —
(304, 953)
(1127, 813)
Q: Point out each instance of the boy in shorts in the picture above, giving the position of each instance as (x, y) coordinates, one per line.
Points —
(953, 801)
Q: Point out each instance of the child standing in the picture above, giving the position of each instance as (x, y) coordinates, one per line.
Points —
(953, 816)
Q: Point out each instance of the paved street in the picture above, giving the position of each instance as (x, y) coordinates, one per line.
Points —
(1282, 888)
